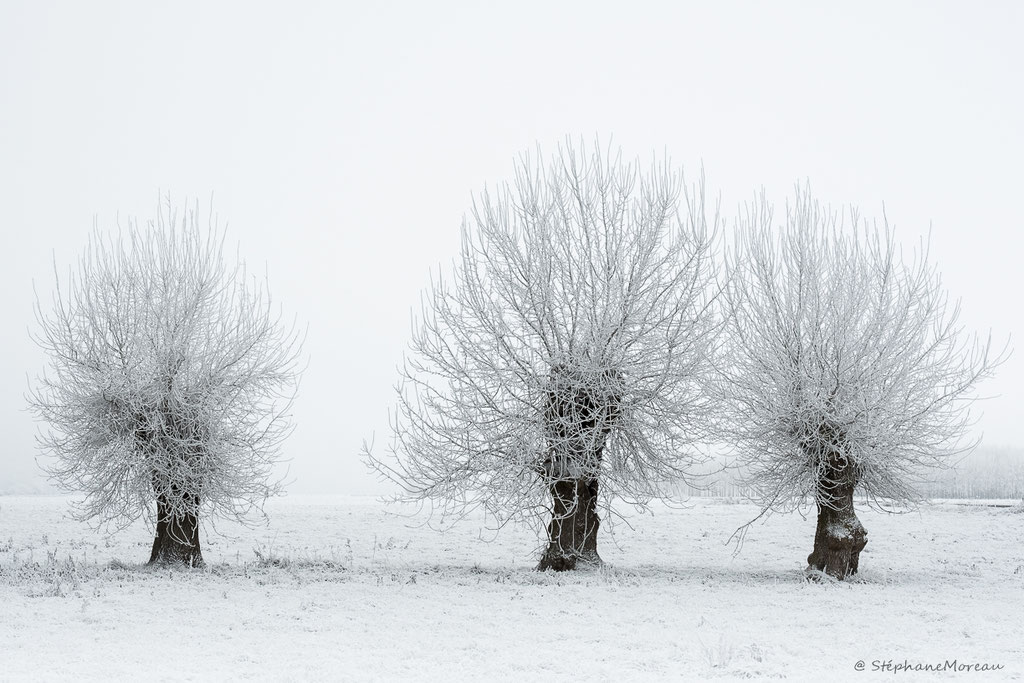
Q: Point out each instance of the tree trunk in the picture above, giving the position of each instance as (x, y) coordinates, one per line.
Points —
(177, 538)
(839, 536)
(582, 406)
(572, 533)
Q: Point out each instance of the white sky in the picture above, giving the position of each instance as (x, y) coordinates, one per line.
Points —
(342, 141)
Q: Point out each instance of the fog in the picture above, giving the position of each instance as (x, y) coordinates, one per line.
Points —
(341, 143)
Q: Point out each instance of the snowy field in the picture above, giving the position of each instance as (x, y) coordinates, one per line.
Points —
(339, 588)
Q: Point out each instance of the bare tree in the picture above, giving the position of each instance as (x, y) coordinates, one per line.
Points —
(170, 380)
(562, 365)
(845, 368)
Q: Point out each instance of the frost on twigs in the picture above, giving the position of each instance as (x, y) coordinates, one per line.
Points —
(845, 368)
(169, 384)
(561, 364)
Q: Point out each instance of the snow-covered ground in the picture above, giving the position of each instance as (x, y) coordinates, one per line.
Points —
(339, 588)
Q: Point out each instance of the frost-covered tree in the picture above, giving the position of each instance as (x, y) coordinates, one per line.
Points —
(169, 383)
(845, 368)
(561, 365)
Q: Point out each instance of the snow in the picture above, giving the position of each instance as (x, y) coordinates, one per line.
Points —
(347, 590)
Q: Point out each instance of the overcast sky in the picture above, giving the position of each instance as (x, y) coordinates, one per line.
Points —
(342, 141)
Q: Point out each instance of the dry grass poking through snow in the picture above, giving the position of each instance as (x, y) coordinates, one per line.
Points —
(338, 588)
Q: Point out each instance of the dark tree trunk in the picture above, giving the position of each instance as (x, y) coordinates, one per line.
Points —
(572, 533)
(581, 409)
(839, 536)
(177, 538)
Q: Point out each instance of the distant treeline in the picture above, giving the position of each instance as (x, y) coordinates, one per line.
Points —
(988, 472)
